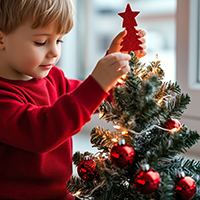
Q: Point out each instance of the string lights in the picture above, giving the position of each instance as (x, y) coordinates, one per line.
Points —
(125, 130)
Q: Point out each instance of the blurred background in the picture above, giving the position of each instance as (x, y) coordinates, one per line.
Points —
(168, 34)
(97, 23)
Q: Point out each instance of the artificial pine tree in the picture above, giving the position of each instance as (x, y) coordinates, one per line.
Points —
(141, 159)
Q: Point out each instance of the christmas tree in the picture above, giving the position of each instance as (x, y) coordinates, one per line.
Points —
(142, 158)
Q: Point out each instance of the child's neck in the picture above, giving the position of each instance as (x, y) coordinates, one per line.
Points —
(13, 75)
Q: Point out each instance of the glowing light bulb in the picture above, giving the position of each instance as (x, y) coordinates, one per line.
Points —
(101, 115)
(160, 101)
(99, 158)
(116, 127)
(120, 81)
(175, 129)
(124, 132)
(77, 193)
(140, 76)
(119, 69)
(114, 140)
(124, 76)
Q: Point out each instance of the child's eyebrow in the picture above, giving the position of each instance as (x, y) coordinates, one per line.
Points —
(42, 34)
(46, 34)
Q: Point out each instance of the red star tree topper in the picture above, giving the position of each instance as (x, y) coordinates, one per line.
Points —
(131, 41)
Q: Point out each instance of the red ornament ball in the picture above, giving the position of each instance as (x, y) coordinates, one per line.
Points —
(87, 169)
(146, 182)
(185, 188)
(122, 155)
(172, 124)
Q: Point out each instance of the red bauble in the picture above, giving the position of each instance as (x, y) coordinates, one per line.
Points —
(121, 154)
(172, 124)
(87, 169)
(147, 181)
(185, 188)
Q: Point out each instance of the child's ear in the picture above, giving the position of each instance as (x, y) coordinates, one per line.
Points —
(2, 42)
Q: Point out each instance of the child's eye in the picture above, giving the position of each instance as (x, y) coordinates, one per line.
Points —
(59, 41)
(40, 43)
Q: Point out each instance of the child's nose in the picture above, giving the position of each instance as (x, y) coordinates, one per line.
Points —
(53, 52)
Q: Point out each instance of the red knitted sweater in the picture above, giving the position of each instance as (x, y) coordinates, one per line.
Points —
(37, 120)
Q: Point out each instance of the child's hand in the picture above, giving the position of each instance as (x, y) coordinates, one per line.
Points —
(115, 45)
(110, 68)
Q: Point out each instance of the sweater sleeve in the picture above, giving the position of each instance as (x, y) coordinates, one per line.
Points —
(41, 129)
(70, 197)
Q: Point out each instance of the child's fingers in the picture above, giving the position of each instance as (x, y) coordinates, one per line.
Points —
(124, 69)
(110, 68)
(116, 56)
(143, 46)
(119, 37)
(142, 32)
(115, 45)
(143, 40)
(118, 62)
(143, 52)
(113, 58)
(119, 66)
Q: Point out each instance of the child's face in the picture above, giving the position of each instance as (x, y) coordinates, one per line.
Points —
(30, 53)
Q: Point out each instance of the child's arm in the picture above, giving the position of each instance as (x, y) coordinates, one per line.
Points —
(39, 126)
(43, 116)
(30, 123)
(115, 44)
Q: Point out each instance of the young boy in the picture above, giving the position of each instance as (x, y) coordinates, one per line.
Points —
(40, 108)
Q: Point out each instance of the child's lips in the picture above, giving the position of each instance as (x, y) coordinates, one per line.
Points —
(46, 66)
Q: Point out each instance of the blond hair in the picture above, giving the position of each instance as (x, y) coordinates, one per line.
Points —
(43, 13)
